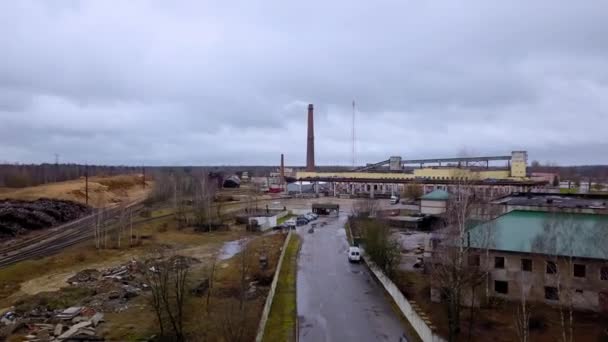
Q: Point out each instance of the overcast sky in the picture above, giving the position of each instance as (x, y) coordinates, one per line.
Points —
(228, 82)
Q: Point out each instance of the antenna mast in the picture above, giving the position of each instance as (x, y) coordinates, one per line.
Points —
(353, 134)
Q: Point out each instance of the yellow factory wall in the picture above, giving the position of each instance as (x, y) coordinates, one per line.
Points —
(518, 169)
(430, 173)
(450, 173)
(371, 175)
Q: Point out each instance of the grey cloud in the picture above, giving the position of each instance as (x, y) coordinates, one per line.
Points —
(202, 83)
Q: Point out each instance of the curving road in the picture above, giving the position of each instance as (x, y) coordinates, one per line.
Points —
(339, 301)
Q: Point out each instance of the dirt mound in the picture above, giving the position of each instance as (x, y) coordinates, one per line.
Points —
(102, 190)
(17, 217)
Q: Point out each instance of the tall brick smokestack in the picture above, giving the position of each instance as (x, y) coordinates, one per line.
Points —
(310, 144)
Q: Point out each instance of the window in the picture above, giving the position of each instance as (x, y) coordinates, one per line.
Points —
(551, 267)
(579, 270)
(579, 291)
(474, 260)
(501, 286)
(604, 273)
(551, 293)
(526, 265)
(499, 262)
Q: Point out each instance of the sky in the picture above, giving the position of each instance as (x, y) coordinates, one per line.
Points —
(228, 82)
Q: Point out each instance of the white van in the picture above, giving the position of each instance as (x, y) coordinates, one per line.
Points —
(354, 254)
(291, 224)
(394, 199)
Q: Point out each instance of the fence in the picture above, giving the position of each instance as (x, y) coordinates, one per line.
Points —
(422, 328)
(273, 287)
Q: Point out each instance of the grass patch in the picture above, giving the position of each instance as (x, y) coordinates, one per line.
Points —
(66, 297)
(282, 319)
(285, 218)
(568, 191)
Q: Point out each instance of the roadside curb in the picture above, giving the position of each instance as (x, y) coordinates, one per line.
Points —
(426, 332)
(266, 311)
(297, 327)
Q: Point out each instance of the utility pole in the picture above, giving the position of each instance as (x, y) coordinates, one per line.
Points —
(143, 171)
(86, 183)
(56, 167)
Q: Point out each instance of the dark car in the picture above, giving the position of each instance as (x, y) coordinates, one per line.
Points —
(301, 221)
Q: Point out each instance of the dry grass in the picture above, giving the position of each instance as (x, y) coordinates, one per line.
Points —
(50, 273)
(103, 191)
(202, 323)
(281, 325)
(27, 280)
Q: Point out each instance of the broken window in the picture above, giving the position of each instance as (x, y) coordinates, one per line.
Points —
(499, 262)
(551, 293)
(604, 273)
(579, 270)
(551, 267)
(526, 265)
(501, 286)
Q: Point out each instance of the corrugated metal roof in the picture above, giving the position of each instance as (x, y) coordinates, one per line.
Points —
(436, 195)
(566, 234)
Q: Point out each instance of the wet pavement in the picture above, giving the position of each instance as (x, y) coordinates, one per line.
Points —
(339, 301)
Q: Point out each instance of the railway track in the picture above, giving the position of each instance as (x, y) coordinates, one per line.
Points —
(72, 233)
(57, 238)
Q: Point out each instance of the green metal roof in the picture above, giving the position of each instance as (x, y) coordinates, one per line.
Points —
(566, 234)
(436, 195)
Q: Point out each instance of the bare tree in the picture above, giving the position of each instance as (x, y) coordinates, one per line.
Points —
(381, 247)
(559, 239)
(364, 208)
(234, 318)
(522, 314)
(204, 194)
(412, 191)
(168, 279)
(453, 274)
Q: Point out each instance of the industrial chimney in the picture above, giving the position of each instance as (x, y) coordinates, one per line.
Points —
(310, 144)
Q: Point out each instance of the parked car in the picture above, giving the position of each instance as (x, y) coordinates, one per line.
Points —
(310, 217)
(354, 254)
(394, 199)
(301, 221)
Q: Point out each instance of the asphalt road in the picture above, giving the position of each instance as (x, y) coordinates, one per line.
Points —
(339, 301)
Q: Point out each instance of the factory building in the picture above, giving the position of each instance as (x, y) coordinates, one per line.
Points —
(551, 257)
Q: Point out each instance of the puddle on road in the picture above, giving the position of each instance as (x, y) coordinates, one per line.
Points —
(231, 248)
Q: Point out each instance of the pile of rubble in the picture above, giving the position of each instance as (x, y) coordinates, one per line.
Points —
(72, 324)
(111, 289)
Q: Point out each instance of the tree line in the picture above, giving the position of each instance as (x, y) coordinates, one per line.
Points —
(24, 175)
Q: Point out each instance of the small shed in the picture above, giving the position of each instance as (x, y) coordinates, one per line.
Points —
(325, 209)
(434, 203)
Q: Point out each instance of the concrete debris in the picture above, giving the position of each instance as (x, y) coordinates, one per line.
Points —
(85, 276)
(73, 330)
(111, 289)
(58, 329)
(97, 318)
(69, 313)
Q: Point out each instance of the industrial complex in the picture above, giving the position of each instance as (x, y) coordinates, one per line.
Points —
(391, 175)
